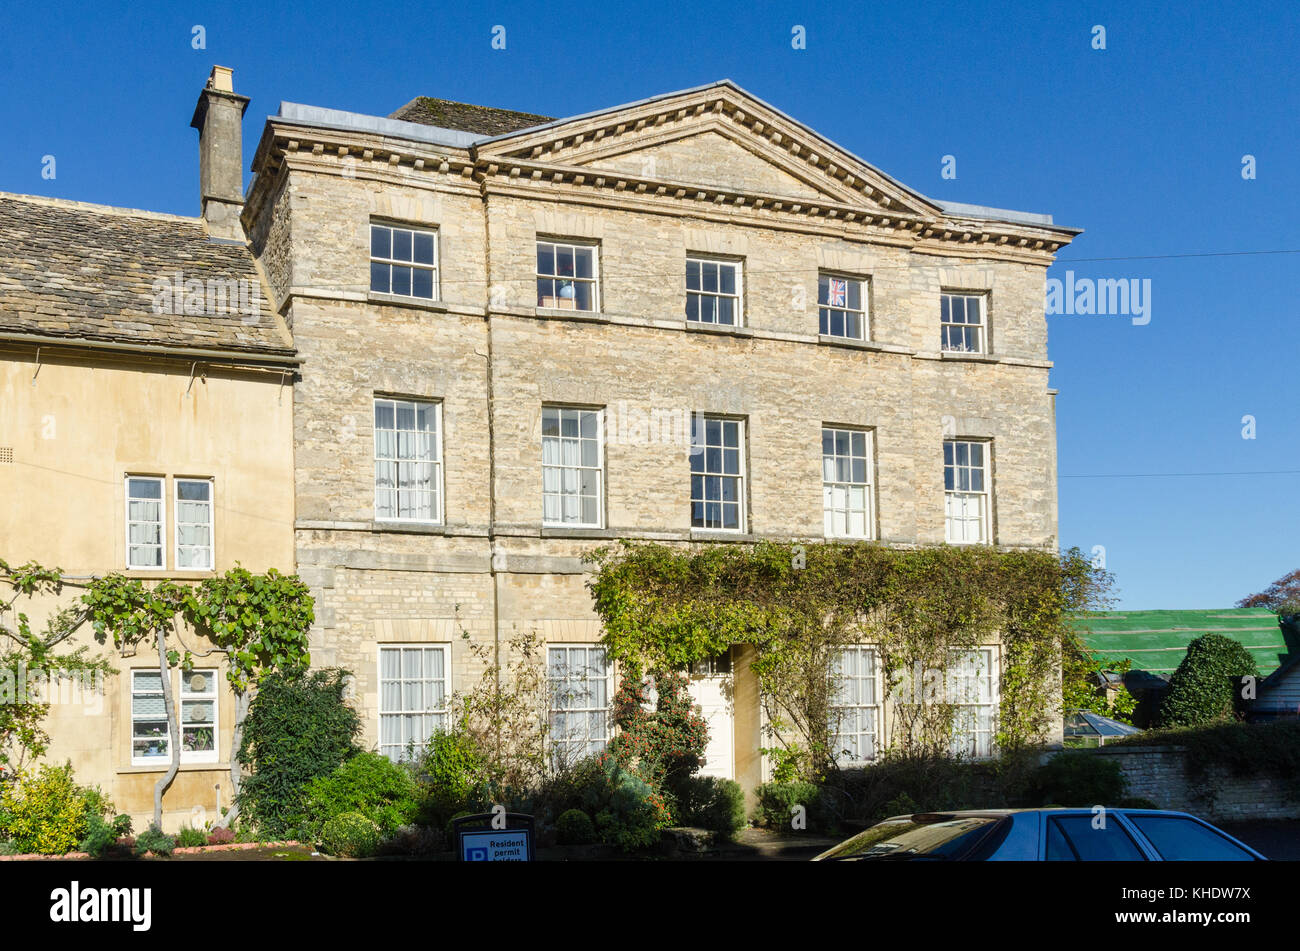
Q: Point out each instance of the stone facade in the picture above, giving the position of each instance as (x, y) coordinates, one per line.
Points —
(709, 172)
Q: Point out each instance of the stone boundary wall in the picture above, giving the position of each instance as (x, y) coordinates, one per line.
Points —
(1159, 773)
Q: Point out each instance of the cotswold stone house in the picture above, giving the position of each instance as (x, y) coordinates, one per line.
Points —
(514, 329)
(507, 339)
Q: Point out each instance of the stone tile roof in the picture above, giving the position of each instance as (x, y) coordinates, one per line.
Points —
(75, 270)
(483, 120)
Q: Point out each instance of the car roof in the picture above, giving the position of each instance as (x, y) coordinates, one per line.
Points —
(999, 813)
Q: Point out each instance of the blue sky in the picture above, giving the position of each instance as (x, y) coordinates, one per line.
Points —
(1140, 144)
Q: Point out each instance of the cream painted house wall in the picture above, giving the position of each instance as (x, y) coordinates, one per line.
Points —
(78, 423)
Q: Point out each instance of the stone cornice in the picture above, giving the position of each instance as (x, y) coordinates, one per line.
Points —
(518, 164)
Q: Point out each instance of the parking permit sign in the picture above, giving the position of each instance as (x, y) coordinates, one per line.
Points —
(479, 841)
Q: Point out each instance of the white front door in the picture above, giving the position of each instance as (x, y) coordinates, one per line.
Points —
(713, 696)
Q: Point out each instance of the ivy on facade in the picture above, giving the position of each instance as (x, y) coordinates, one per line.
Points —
(798, 605)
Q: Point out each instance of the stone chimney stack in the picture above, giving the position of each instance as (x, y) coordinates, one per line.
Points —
(221, 155)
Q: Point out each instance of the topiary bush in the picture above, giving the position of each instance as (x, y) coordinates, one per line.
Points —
(350, 835)
(369, 784)
(574, 827)
(1201, 689)
(298, 727)
(154, 840)
(715, 804)
(778, 802)
(1078, 778)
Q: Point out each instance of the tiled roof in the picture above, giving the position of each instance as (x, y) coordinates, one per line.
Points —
(483, 120)
(1156, 641)
(74, 270)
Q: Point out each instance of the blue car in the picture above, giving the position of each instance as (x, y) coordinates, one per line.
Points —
(1043, 835)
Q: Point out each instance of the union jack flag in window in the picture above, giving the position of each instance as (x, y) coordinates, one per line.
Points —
(838, 292)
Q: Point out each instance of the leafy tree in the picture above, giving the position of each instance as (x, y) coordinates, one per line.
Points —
(663, 746)
(1281, 597)
(260, 622)
(1201, 689)
(25, 651)
(1082, 678)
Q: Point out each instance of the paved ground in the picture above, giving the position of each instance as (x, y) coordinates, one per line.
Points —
(1278, 839)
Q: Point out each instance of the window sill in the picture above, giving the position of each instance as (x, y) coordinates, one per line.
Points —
(972, 357)
(719, 535)
(418, 303)
(184, 768)
(410, 528)
(831, 340)
(724, 330)
(158, 574)
(577, 531)
(563, 313)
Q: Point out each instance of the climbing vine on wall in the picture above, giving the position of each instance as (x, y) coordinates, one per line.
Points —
(798, 605)
(260, 622)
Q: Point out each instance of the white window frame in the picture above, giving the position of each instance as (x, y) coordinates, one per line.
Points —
(164, 739)
(212, 696)
(841, 706)
(392, 262)
(863, 315)
(211, 503)
(556, 244)
(981, 327)
(830, 486)
(958, 502)
(437, 713)
(566, 749)
(974, 744)
(437, 462)
(742, 487)
(162, 521)
(738, 298)
(561, 467)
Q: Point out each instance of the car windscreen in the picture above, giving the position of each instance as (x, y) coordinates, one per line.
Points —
(903, 839)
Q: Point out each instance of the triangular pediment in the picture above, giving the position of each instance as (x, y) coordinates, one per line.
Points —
(716, 137)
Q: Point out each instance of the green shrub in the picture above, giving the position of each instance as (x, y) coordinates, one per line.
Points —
(414, 840)
(633, 813)
(369, 784)
(777, 804)
(715, 804)
(574, 827)
(351, 835)
(99, 838)
(1201, 690)
(154, 840)
(189, 838)
(1078, 778)
(46, 812)
(451, 825)
(450, 767)
(298, 727)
